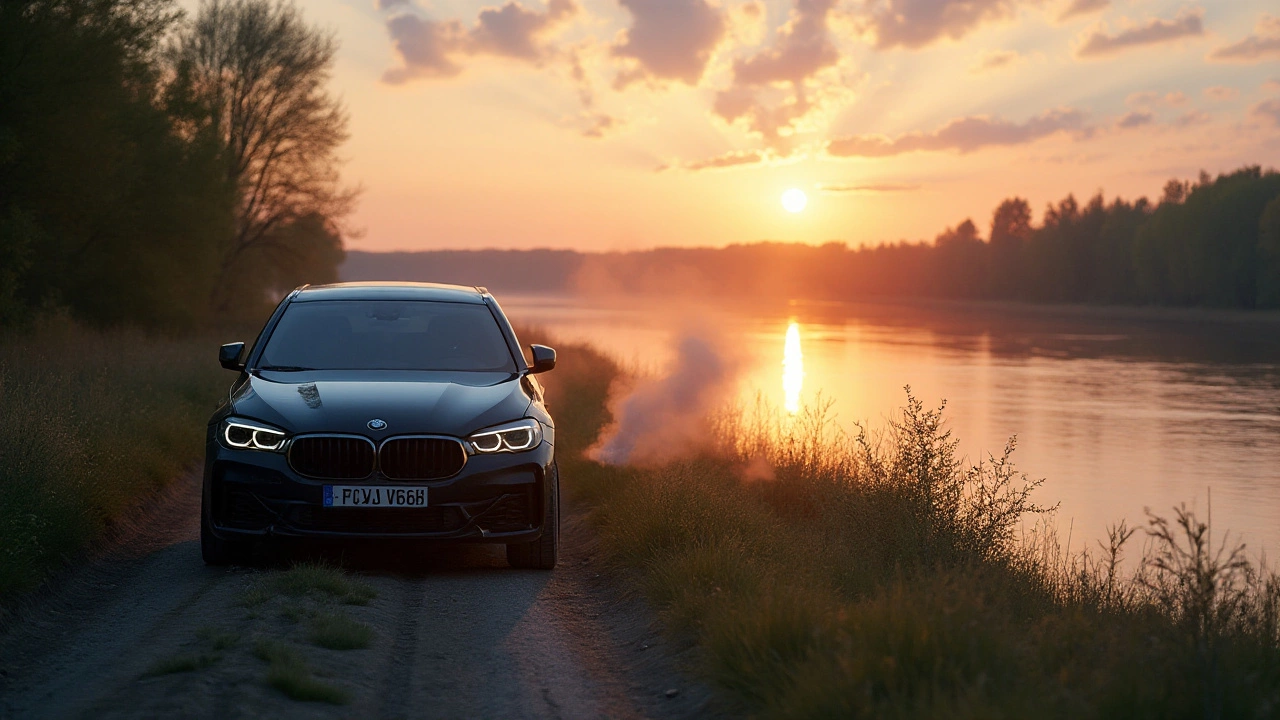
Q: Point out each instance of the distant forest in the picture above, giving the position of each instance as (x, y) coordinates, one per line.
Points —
(1213, 242)
(163, 169)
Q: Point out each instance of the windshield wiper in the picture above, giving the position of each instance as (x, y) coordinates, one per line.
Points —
(285, 368)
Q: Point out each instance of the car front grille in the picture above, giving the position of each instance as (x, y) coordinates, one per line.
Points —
(332, 457)
(421, 458)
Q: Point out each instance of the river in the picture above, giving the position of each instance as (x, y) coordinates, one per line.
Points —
(1118, 409)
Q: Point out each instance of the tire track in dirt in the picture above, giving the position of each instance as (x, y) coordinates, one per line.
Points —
(400, 664)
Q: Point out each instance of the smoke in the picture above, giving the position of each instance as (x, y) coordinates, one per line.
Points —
(665, 418)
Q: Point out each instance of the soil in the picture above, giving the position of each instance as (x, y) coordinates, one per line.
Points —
(456, 633)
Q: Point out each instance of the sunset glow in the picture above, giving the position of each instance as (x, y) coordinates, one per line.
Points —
(595, 128)
(794, 200)
(792, 369)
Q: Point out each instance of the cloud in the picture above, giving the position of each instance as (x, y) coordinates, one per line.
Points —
(1220, 93)
(995, 60)
(1192, 118)
(1078, 8)
(1272, 85)
(727, 160)
(802, 48)
(1150, 98)
(600, 124)
(1263, 44)
(962, 135)
(432, 48)
(882, 187)
(1135, 119)
(669, 40)
(1268, 111)
(916, 23)
(1098, 43)
(391, 4)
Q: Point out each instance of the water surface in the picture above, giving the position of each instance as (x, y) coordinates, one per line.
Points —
(1119, 410)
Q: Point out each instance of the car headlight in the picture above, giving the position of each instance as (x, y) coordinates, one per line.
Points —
(251, 435)
(517, 436)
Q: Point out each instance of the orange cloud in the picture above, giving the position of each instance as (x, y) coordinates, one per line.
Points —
(996, 60)
(1268, 111)
(962, 135)
(1263, 44)
(430, 48)
(671, 40)
(802, 48)
(916, 23)
(1078, 8)
(1099, 43)
(727, 160)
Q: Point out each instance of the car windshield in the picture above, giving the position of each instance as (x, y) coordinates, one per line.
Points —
(386, 335)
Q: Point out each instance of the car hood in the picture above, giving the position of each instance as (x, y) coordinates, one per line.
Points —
(438, 403)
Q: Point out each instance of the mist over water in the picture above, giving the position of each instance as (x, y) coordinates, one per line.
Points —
(1119, 410)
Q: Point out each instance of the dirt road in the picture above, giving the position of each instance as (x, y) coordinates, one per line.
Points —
(146, 630)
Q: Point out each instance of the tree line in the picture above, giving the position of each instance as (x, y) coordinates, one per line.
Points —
(1212, 242)
(161, 169)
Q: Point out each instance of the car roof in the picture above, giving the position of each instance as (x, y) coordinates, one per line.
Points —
(391, 291)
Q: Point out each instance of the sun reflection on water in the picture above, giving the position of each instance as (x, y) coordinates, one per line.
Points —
(792, 369)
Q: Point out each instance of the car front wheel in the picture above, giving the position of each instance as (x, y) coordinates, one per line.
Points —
(541, 553)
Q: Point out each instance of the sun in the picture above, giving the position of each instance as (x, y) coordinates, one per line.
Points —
(794, 200)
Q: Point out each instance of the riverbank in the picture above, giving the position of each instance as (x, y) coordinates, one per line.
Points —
(829, 577)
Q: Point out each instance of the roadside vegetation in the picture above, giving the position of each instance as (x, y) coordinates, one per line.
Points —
(91, 424)
(830, 575)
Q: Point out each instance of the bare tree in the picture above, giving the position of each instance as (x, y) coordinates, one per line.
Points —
(253, 74)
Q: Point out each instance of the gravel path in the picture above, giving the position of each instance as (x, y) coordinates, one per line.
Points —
(146, 630)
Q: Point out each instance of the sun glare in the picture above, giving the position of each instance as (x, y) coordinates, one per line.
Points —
(794, 200)
(792, 369)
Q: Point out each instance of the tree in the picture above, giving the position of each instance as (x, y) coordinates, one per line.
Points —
(104, 209)
(1269, 256)
(252, 73)
(1010, 232)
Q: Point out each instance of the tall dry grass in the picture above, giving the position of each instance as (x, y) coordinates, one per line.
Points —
(830, 574)
(91, 422)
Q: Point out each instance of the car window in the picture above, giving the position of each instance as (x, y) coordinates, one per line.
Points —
(386, 335)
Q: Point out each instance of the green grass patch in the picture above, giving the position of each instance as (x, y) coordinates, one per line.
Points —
(339, 632)
(289, 673)
(322, 579)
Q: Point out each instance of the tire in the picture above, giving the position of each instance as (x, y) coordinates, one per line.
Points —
(541, 553)
(218, 552)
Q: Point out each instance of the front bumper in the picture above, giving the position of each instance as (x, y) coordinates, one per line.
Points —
(495, 498)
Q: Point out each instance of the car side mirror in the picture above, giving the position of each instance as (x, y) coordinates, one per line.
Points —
(229, 356)
(544, 359)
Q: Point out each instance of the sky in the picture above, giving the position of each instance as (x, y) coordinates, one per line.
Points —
(630, 124)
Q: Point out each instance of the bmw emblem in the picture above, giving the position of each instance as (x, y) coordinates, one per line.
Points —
(377, 424)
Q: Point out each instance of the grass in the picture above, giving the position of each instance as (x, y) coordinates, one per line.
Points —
(289, 673)
(322, 579)
(339, 632)
(881, 577)
(218, 639)
(90, 423)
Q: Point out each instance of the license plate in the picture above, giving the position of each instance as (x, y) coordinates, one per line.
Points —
(374, 496)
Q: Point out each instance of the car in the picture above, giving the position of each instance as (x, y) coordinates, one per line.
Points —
(387, 411)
